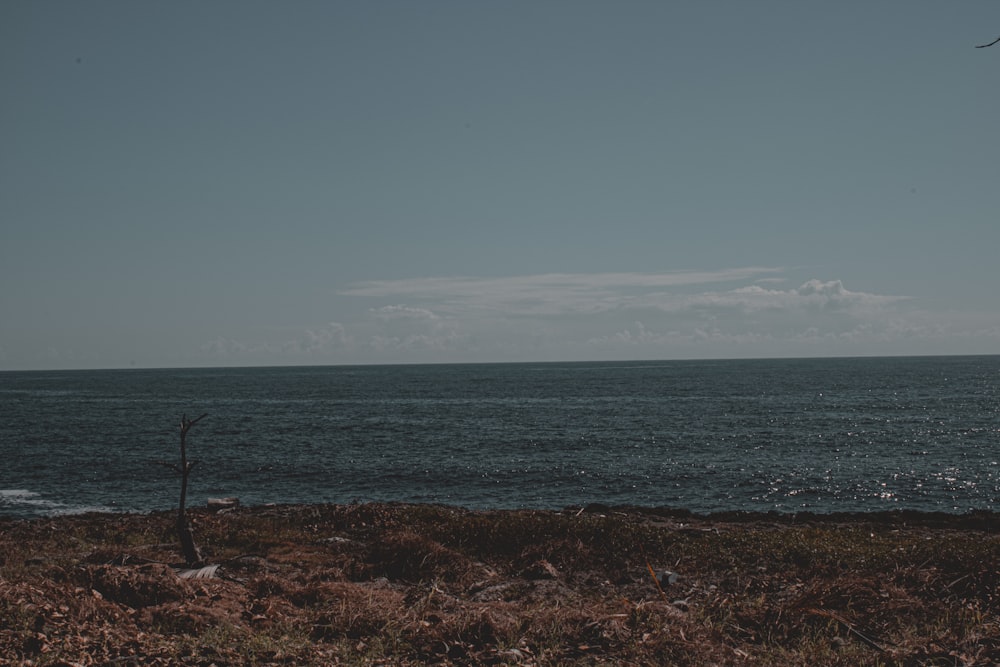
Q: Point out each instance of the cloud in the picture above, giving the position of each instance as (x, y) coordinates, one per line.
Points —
(220, 346)
(552, 295)
(323, 339)
(398, 312)
(543, 294)
(405, 328)
(308, 341)
(578, 314)
(642, 336)
(638, 334)
(611, 315)
(811, 295)
(430, 287)
(416, 342)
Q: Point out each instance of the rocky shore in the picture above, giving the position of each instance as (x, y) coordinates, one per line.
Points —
(395, 584)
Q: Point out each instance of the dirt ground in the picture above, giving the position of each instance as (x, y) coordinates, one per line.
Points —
(396, 584)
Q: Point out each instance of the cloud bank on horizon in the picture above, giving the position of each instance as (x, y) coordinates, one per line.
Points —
(738, 312)
(742, 312)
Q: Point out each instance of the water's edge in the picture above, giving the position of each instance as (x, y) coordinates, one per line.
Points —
(978, 520)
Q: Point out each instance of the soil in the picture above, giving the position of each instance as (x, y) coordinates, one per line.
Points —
(397, 584)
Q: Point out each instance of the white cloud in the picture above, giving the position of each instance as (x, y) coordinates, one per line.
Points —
(552, 295)
(643, 336)
(581, 314)
(638, 334)
(221, 346)
(320, 340)
(486, 287)
(308, 341)
(544, 294)
(813, 294)
(416, 342)
(397, 312)
(614, 315)
(405, 328)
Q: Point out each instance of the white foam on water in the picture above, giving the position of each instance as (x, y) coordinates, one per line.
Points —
(32, 502)
(24, 497)
(28, 502)
(16, 493)
(84, 509)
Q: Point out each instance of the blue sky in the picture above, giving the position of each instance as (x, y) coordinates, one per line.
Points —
(250, 183)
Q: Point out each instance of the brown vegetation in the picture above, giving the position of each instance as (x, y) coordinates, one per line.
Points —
(378, 584)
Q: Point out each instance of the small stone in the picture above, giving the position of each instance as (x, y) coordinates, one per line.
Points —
(666, 577)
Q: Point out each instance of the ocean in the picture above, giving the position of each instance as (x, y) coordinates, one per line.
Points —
(789, 435)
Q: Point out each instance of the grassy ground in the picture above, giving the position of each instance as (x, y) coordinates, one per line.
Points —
(377, 584)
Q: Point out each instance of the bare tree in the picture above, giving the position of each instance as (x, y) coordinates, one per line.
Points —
(192, 555)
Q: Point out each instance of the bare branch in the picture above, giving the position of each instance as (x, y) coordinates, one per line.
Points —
(186, 423)
(983, 46)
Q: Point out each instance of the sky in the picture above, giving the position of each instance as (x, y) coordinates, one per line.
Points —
(246, 183)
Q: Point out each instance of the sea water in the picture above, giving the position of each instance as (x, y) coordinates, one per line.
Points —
(821, 435)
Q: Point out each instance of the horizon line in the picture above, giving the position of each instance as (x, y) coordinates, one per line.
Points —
(843, 357)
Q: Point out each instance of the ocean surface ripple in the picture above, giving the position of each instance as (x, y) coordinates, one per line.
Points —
(821, 435)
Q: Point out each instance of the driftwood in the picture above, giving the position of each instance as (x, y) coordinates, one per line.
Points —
(222, 504)
(207, 572)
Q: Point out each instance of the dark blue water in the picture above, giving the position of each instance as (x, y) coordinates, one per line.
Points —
(787, 435)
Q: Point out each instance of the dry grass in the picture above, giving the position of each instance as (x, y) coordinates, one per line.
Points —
(414, 584)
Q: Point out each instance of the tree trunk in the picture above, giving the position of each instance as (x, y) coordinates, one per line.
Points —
(192, 555)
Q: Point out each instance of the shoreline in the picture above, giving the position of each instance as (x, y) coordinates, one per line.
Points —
(974, 519)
